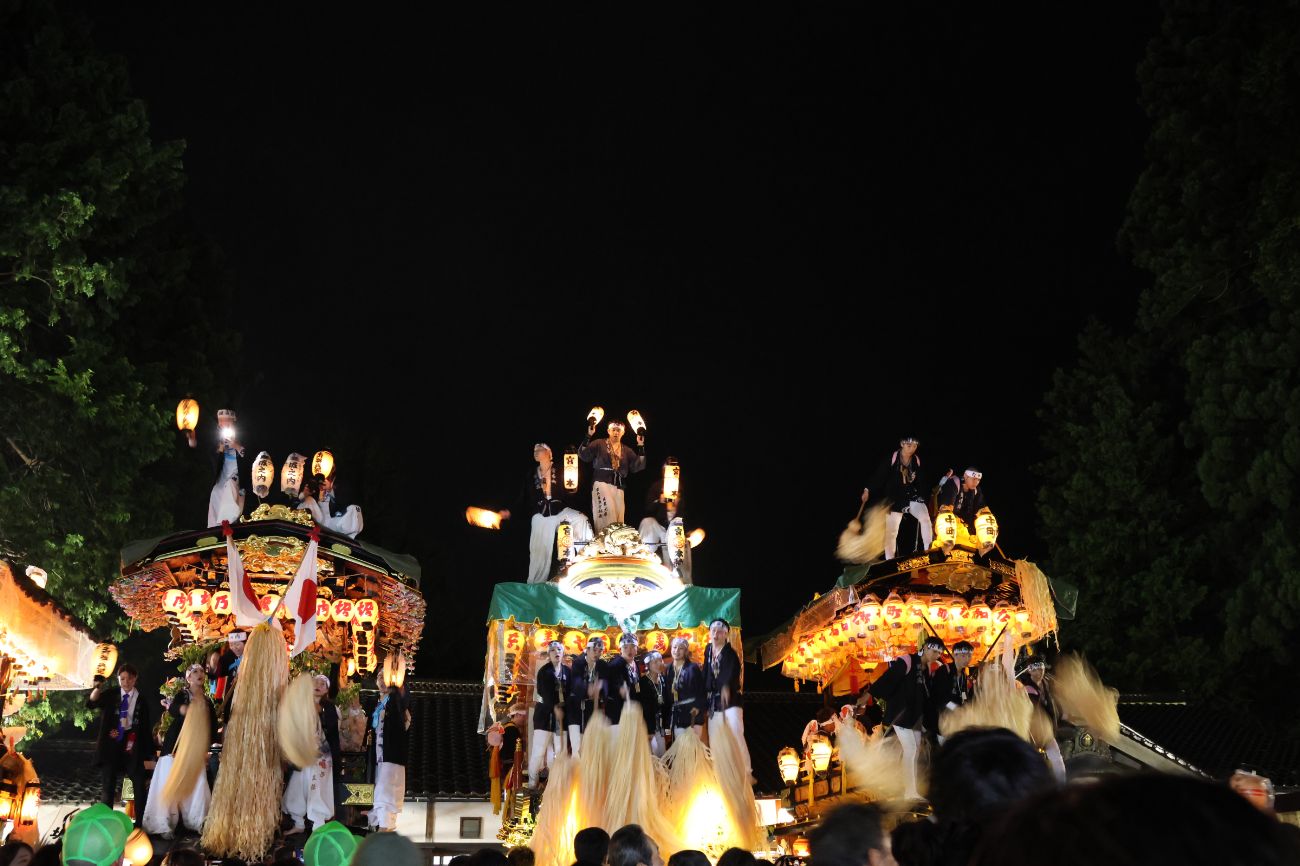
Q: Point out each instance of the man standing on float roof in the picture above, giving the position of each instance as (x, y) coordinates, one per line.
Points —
(898, 482)
(611, 462)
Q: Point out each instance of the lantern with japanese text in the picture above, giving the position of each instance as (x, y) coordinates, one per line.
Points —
(365, 611)
(672, 480)
(656, 642)
(787, 760)
(1023, 626)
(819, 749)
(871, 611)
(574, 642)
(945, 527)
(986, 528)
(957, 615)
(291, 474)
(270, 603)
(979, 616)
(31, 803)
(1002, 613)
(176, 601)
(322, 610)
(893, 611)
(8, 793)
(341, 610)
(104, 659)
(263, 475)
(187, 418)
(220, 603)
(594, 416)
(542, 638)
(512, 640)
(200, 598)
(563, 541)
(570, 470)
(322, 463)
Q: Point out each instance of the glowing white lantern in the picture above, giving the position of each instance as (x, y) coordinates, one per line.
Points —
(819, 747)
(226, 425)
(37, 575)
(788, 761)
(481, 517)
(636, 422)
(322, 463)
(200, 598)
(594, 416)
(986, 528)
(291, 474)
(672, 480)
(176, 601)
(696, 538)
(187, 418)
(263, 475)
(945, 527)
(570, 470)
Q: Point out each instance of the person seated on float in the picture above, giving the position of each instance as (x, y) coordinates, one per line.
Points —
(549, 503)
(898, 482)
(584, 695)
(655, 529)
(966, 501)
(824, 722)
(317, 496)
(684, 691)
(611, 462)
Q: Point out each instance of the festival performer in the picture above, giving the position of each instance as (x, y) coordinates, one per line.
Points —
(824, 722)
(513, 738)
(722, 683)
(309, 795)
(650, 693)
(125, 741)
(545, 495)
(553, 687)
(656, 526)
(965, 500)
(951, 688)
(621, 680)
(1036, 684)
(904, 687)
(230, 662)
(685, 694)
(226, 501)
(160, 818)
(611, 462)
(391, 722)
(898, 481)
(317, 496)
(589, 670)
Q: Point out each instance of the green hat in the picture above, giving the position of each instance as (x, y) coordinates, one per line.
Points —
(330, 844)
(96, 835)
(387, 849)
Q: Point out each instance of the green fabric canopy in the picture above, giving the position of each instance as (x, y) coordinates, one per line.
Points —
(545, 604)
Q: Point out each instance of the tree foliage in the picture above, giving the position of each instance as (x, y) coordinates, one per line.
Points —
(102, 326)
(1175, 447)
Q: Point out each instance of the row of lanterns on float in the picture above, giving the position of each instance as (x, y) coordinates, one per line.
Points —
(292, 473)
(893, 623)
(515, 640)
(986, 528)
(362, 611)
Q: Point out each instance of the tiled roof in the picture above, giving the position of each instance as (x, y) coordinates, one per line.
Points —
(1209, 738)
(449, 758)
(66, 769)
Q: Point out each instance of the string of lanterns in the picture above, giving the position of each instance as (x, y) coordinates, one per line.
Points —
(885, 629)
(178, 602)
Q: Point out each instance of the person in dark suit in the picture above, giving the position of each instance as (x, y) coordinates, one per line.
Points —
(588, 669)
(657, 710)
(125, 744)
(392, 723)
(552, 692)
(621, 679)
(722, 668)
(684, 690)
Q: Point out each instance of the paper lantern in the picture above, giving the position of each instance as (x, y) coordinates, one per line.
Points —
(957, 615)
(672, 480)
(871, 611)
(800, 847)
(819, 748)
(32, 804)
(636, 422)
(656, 642)
(263, 475)
(1023, 625)
(394, 669)
(788, 761)
(341, 610)
(103, 659)
(322, 610)
(1002, 613)
(543, 636)
(945, 527)
(352, 667)
(574, 642)
(916, 610)
(978, 616)
(892, 610)
(187, 418)
(271, 602)
(200, 598)
(563, 541)
(291, 474)
(570, 470)
(138, 850)
(176, 601)
(366, 611)
(322, 463)
(986, 528)
(37, 575)
(512, 641)
(594, 416)
(8, 791)
(677, 539)
(220, 603)
(696, 538)
(226, 425)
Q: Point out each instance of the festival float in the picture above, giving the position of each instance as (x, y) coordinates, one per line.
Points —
(619, 580)
(43, 648)
(332, 602)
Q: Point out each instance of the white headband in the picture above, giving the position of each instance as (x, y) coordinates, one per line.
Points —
(973, 473)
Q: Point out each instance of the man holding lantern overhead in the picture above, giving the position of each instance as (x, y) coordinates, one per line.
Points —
(611, 462)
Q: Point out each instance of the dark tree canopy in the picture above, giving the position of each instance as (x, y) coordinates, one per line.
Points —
(1175, 447)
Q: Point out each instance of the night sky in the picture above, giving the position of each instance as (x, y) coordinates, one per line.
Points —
(787, 237)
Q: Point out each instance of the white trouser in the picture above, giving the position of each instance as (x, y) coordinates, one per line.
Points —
(541, 542)
(541, 753)
(194, 808)
(606, 504)
(310, 793)
(735, 719)
(390, 793)
(910, 740)
(1054, 758)
(894, 518)
(224, 502)
(575, 739)
(657, 745)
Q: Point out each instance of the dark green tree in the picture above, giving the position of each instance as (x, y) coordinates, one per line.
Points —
(1175, 448)
(104, 296)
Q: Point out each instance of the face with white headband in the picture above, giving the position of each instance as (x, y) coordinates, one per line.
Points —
(970, 479)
